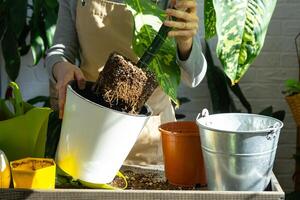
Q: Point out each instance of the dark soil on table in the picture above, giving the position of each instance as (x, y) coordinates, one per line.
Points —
(136, 181)
(149, 181)
(32, 164)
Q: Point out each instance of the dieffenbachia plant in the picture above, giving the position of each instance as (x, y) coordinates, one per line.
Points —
(148, 19)
(241, 27)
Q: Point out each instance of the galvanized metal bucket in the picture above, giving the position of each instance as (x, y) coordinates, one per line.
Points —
(238, 150)
(95, 140)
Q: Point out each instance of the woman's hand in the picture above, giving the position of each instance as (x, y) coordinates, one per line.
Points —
(64, 72)
(185, 26)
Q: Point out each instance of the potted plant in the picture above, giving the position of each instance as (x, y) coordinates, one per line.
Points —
(292, 97)
(292, 89)
(122, 86)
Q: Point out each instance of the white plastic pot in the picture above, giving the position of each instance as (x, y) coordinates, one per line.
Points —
(95, 140)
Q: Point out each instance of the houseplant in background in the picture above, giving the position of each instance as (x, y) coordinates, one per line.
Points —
(292, 97)
(21, 20)
(292, 89)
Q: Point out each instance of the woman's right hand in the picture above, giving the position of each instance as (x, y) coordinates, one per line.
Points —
(64, 72)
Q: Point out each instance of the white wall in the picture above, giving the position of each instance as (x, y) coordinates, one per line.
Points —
(33, 80)
(262, 84)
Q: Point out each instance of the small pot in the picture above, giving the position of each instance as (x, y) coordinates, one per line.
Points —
(33, 173)
(182, 153)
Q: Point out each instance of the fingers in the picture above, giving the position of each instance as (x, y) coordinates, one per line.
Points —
(181, 24)
(172, 3)
(186, 24)
(182, 15)
(66, 74)
(187, 5)
(80, 79)
(183, 33)
(62, 88)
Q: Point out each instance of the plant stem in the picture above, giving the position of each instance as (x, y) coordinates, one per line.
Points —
(149, 54)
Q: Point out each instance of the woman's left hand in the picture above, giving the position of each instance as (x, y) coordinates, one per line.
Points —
(185, 26)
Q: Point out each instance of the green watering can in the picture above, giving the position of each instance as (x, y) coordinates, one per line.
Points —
(23, 129)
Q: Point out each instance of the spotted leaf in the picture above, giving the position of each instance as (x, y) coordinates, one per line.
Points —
(241, 28)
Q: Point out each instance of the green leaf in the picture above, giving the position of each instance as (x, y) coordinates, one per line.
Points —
(2, 27)
(23, 46)
(11, 54)
(183, 100)
(209, 19)
(51, 3)
(18, 13)
(40, 99)
(292, 84)
(36, 40)
(37, 46)
(267, 111)
(239, 94)
(280, 114)
(53, 134)
(292, 87)
(154, 47)
(222, 101)
(148, 19)
(3, 9)
(145, 7)
(241, 29)
(50, 25)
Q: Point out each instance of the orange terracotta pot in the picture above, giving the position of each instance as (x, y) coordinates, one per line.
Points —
(182, 153)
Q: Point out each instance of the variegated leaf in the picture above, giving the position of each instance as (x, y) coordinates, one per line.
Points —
(241, 29)
(209, 19)
(148, 19)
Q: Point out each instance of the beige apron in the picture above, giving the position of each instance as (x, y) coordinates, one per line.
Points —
(103, 27)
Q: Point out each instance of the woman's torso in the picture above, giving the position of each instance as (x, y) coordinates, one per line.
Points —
(102, 28)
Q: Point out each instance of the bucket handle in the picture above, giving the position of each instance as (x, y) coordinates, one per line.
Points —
(204, 113)
(106, 186)
(272, 131)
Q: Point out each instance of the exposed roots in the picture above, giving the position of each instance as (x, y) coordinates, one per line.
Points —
(124, 86)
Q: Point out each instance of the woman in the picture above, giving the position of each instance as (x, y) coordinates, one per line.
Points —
(94, 29)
